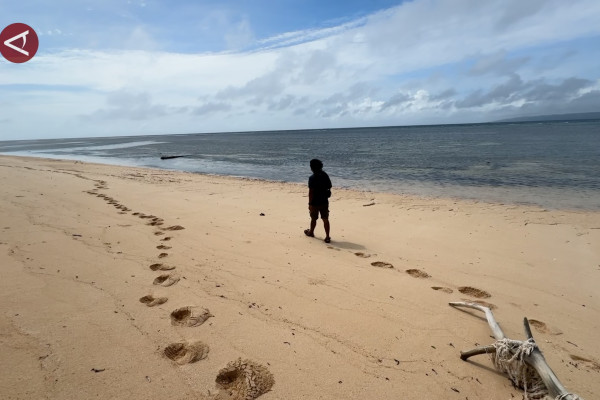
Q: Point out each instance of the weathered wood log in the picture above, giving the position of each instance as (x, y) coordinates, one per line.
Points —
(170, 157)
(520, 351)
(498, 334)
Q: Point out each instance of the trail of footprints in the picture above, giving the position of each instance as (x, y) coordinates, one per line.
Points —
(417, 273)
(240, 379)
(479, 294)
(245, 379)
(468, 290)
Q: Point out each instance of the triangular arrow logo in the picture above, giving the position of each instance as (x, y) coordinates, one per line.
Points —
(19, 36)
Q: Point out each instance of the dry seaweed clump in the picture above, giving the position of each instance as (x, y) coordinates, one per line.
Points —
(244, 380)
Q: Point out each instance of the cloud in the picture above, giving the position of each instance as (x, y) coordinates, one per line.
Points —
(308, 35)
(356, 93)
(240, 35)
(497, 64)
(211, 108)
(503, 93)
(261, 88)
(133, 106)
(287, 102)
(422, 61)
(446, 94)
(515, 11)
(50, 32)
(316, 66)
(140, 39)
(516, 91)
(587, 102)
(396, 100)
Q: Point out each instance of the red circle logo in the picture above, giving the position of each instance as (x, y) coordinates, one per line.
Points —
(18, 43)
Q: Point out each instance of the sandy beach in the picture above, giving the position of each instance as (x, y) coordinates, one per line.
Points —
(227, 279)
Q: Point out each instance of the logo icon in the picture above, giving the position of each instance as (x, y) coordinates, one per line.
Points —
(18, 43)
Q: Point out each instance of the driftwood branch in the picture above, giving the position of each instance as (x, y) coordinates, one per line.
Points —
(525, 351)
(171, 157)
(464, 355)
(498, 334)
(527, 328)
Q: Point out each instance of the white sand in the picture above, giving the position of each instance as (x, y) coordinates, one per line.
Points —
(324, 321)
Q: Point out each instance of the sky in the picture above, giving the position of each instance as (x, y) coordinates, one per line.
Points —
(144, 67)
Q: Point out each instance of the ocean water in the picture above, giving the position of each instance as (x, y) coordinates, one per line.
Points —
(551, 164)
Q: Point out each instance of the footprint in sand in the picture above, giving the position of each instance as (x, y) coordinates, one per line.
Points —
(382, 264)
(589, 363)
(173, 228)
(185, 353)
(362, 255)
(166, 239)
(417, 273)
(152, 301)
(185, 316)
(166, 280)
(442, 289)
(543, 328)
(244, 380)
(163, 247)
(539, 325)
(163, 255)
(158, 233)
(471, 291)
(161, 267)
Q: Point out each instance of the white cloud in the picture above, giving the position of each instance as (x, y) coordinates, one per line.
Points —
(240, 35)
(140, 39)
(307, 35)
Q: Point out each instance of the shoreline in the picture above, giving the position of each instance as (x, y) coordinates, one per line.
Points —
(539, 197)
(364, 317)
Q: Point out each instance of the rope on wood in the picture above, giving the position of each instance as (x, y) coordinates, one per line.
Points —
(566, 396)
(509, 358)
